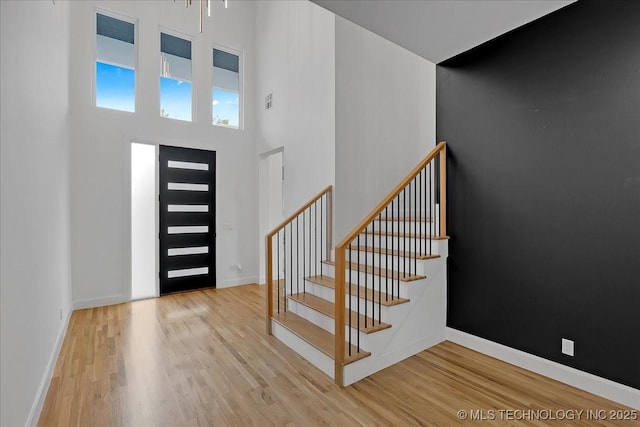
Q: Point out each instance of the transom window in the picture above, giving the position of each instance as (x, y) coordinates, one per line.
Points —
(115, 64)
(225, 94)
(175, 77)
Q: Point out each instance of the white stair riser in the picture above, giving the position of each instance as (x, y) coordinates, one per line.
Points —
(394, 288)
(389, 285)
(320, 291)
(428, 210)
(311, 315)
(328, 323)
(297, 288)
(398, 288)
(390, 262)
(329, 295)
(328, 270)
(424, 227)
(410, 244)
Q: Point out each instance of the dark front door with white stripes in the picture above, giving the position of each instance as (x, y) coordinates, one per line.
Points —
(187, 219)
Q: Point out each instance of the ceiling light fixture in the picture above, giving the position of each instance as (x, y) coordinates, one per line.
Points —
(188, 3)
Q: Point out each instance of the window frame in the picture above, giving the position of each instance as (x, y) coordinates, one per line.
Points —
(240, 55)
(97, 10)
(190, 38)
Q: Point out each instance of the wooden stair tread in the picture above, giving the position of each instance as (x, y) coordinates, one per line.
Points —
(395, 252)
(316, 336)
(327, 308)
(407, 235)
(379, 271)
(385, 299)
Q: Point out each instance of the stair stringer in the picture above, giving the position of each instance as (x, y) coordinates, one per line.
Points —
(422, 326)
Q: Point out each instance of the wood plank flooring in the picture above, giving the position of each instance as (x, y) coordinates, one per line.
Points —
(202, 358)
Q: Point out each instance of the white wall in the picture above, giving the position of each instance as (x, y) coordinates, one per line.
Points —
(385, 119)
(100, 153)
(296, 61)
(274, 182)
(35, 290)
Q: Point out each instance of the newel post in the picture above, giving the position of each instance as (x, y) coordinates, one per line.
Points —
(339, 316)
(443, 191)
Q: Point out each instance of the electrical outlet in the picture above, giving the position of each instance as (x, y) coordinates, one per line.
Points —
(567, 347)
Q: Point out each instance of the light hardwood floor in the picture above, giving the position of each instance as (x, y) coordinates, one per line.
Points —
(203, 358)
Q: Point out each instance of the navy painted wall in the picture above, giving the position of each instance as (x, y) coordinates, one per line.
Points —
(543, 127)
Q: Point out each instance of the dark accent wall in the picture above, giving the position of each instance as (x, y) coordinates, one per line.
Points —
(543, 127)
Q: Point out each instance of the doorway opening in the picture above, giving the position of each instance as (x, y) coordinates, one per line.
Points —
(271, 195)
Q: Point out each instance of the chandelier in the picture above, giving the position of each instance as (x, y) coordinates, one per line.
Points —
(188, 3)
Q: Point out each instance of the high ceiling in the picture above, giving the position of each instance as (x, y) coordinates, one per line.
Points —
(440, 29)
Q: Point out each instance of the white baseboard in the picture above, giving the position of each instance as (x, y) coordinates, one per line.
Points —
(36, 408)
(608, 389)
(246, 280)
(119, 299)
(99, 302)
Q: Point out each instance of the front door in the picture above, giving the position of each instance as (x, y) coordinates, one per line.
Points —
(187, 219)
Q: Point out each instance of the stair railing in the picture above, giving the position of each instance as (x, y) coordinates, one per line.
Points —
(398, 231)
(296, 248)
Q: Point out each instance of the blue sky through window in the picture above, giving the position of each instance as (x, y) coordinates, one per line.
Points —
(175, 99)
(115, 87)
(226, 108)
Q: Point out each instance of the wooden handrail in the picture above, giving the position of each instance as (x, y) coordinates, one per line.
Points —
(299, 211)
(393, 194)
(328, 191)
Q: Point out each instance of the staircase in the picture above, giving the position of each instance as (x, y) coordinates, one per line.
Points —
(379, 296)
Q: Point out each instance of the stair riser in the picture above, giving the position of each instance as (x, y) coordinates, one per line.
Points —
(423, 227)
(328, 323)
(430, 268)
(296, 289)
(328, 270)
(320, 291)
(411, 245)
(328, 294)
(391, 262)
(399, 289)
